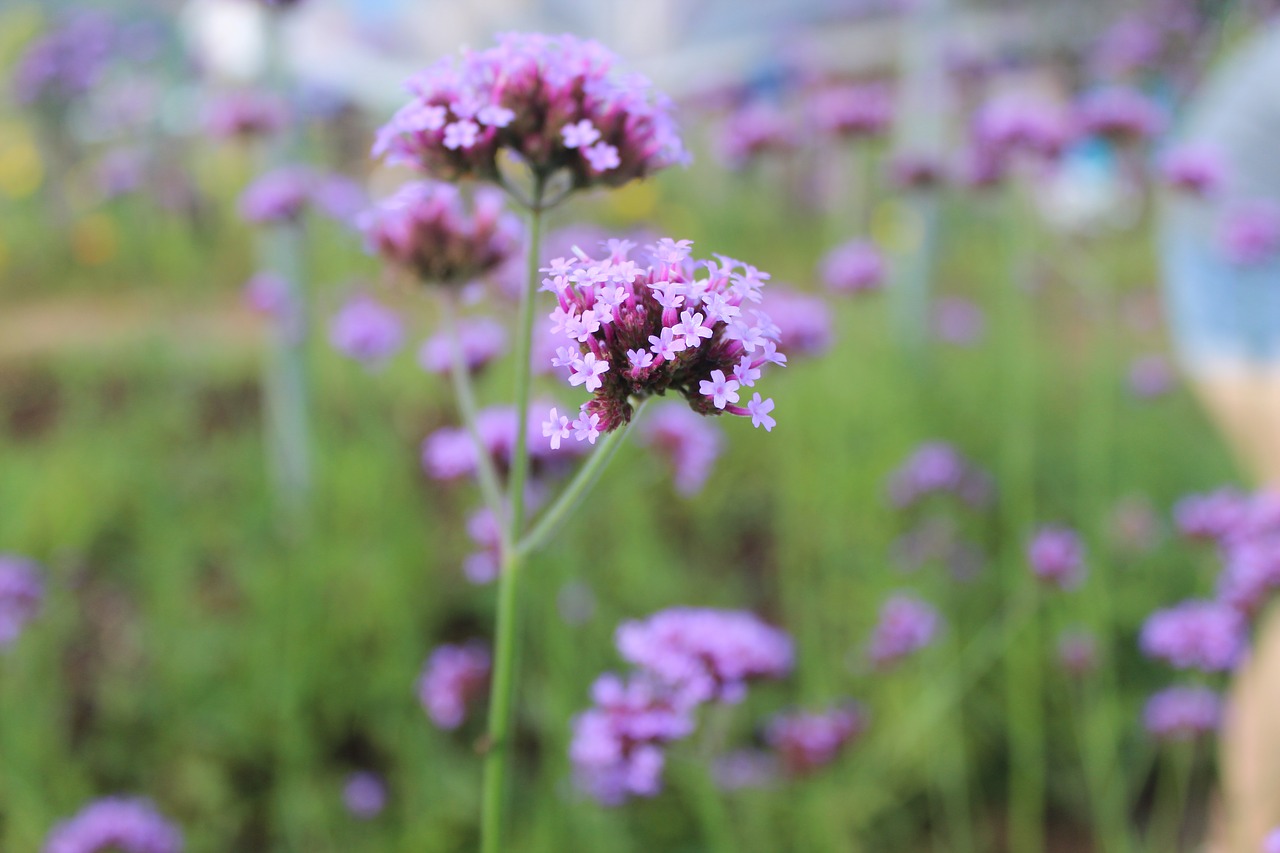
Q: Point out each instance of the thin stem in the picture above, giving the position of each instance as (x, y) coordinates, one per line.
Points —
(582, 482)
(490, 487)
(1171, 798)
(524, 347)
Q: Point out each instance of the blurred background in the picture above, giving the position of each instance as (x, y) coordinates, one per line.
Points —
(1025, 263)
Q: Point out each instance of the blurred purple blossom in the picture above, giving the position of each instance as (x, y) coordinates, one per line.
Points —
(958, 321)
(913, 170)
(853, 267)
(481, 339)
(852, 111)
(1151, 376)
(1204, 635)
(804, 321)
(448, 453)
(808, 741)
(1120, 114)
(244, 115)
(21, 596)
(1193, 169)
(66, 61)
(130, 825)
(364, 795)
(906, 625)
(754, 130)
(689, 443)
(745, 768)
(1056, 556)
(1077, 653)
(366, 330)
(1250, 232)
(453, 678)
(1182, 713)
(277, 196)
(936, 467)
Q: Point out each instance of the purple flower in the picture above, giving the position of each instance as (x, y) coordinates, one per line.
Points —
(852, 112)
(1204, 635)
(128, 825)
(242, 115)
(1250, 232)
(1150, 376)
(557, 104)
(278, 196)
(617, 746)
(65, 62)
(686, 440)
(364, 795)
(1012, 125)
(696, 320)
(1182, 713)
(340, 198)
(958, 321)
(1120, 115)
(1271, 844)
(1056, 556)
(454, 677)
(853, 267)
(1077, 653)
(448, 453)
(1211, 516)
(21, 596)
(936, 467)
(366, 330)
(1130, 44)
(906, 625)
(913, 170)
(1250, 571)
(426, 230)
(1195, 170)
(481, 339)
(745, 768)
(704, 654)
(756, 129)
(483, 566)
(808, 741)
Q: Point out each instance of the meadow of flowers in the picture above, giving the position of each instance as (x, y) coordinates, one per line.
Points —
(560, 463)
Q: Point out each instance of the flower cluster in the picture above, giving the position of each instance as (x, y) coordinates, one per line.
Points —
(244, 115)
(481, 340)
(958, 321)
(425, 229)
(129, 825)
(364, 795)
(808, 741)
(915, 170)
(852, 111)
(1120, 115)
(756, 129)
(1201, 635)
(688, 442)
(285, 194)
(455, 675)
(686, 656)
(1195, 170)
(449, 453)
(936, 467)
(21, 595)
(853, 267)
(1182, 713)
(1009, 126)
(906, 625)
(558, 104)
(634, 330)
(1250, 232)
(366, 330)
(1056, 556)
(65, 62)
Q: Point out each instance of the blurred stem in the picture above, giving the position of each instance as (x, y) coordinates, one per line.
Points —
(582, 483)
(1022, 656)
(490, 487)
(1172, 789)
(502, 693)
(954, 779)
(909, 296)
(708, 799)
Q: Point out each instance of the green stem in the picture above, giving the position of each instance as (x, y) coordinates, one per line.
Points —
(1023, 691)
(708, 799)
(1171, 798)
(487, 474)
(582, 482)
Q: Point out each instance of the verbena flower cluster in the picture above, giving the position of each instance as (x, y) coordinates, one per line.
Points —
(557, 104)
(906, 625)
(124, 824)
(803, 321)
(808, 741)
(449, 453)
(285, 194)
(633, 330)
(453, 678)
(1119, 114)
(1182, 713)
(1250, 232)
(481, 340)
(936, 467)
(244, 115)
(21, 596)
(1204, 635)
(366, 330)
(853, 267)
(65, 62)
(1195, 170)
(1056, 556)
(426, 229)
(685, 657)
(856, 111)
(754, 130)
(364, 795)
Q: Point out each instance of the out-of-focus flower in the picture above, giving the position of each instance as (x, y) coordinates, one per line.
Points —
(130, 825)
(745, 768)
(617, 746)
(366, 330)
(1009, 126)
(906, 625)
(633, 331)
(453, 678)
(1271, 844)
(808, 741)
(1134, 526)
(278, 196)
(364, 795)
(916, 171)
(341, 198)
(244, 115)
(1056, 556)
(21, 596)
(1250, 571)
(688, 441)
(1204, 635)
(936, 467)
(481, 339)
(425, 229)
(958, 321)
(122, 171)
(1078, 653)
(1182, 713)
(449, 453)
(852, 112)
(1250, 232)
(1130, 44)
(757, 129)
(557, 104)
(853, 267)
(1120, 115)
(803, 320)
(1151, 376)
(1211, 516)
(65, 62)
(705, 654)
(1192, 169)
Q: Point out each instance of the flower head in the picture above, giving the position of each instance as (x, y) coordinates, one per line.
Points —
(1120, 114)
(67, 61)
(852, 112)
(757, 129)
(937, 467)
(913, 170)
(958, 321)
(1215, 515)
(364, 795)
(1008, 126)
(244, 115)
(557, 104)
(278, 196)
(906, 625)
(454, 677)
(808, 741)
(1202, 635)
(1182, 713)
(1056, 556)
(21, 596)
(481, 339)
(1195, 170)
(705, 654)
(1250, 232)
(449, 453)
(853, 267)
(366, 330)
(427, 230)
(1271, 844)
(633, 331)
(129, 825)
